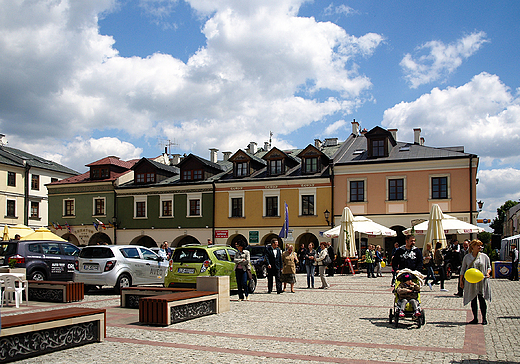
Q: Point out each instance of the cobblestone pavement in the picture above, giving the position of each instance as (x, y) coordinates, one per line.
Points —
(347, 323)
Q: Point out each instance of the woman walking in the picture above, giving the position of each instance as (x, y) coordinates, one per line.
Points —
(428, 265)
(289, 261)
(438, 260)
(378, 259)
(310, 260)
(476, 291)
(242, 265)
(322, 264)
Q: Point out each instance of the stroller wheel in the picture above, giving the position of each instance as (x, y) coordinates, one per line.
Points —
(390, 316)
(396, 319)
(422, 318)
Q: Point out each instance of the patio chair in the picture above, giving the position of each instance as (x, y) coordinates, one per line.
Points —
(13, 285)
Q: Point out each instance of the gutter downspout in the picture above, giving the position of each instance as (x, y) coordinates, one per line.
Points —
(332, 201)
(114, 219)
(471, 193)
(213, 217)
(27, 167)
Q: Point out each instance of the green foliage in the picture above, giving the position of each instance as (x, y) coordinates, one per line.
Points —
(11, 262)
(485, 237)
(498, 223)
(490, 252)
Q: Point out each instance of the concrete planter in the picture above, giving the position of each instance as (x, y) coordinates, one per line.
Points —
(218, 284)
(13, 270)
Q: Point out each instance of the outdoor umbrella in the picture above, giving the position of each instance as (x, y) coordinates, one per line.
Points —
(363, 225)
(346, 234)
(19, 229)
(6, 233)
(43, 234)
(435, 232)
(450, 224)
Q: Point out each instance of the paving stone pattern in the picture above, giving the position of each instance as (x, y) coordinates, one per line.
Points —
(347, 323)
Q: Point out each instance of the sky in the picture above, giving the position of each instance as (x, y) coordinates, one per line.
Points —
(80, 80)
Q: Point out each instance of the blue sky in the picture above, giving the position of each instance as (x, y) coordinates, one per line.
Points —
(80, 80)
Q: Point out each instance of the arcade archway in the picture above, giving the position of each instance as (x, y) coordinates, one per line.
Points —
(233, 240)
(71, 238)
(305, 239)
(185, 240)
(100, 238)
(144, 240)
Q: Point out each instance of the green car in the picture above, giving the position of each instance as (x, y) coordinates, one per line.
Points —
(190, 261)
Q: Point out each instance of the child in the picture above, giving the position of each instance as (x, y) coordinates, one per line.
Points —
(408, 292)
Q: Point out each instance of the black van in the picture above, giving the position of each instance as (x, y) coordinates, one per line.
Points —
(43, 260)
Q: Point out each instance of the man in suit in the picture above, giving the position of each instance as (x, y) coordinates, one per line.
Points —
(273, 256)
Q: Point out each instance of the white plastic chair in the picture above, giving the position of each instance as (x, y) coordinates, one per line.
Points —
(14, 285)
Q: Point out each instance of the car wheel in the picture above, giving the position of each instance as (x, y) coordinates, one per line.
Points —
(123, 281)
(37, 275)
(264, 271)
(251, 285)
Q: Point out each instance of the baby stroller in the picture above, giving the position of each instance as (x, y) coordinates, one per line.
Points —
(409, 313)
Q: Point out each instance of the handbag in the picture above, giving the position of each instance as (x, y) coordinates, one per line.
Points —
(327, 260)
(249, 275)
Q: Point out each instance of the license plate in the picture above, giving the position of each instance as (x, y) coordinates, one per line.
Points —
(186, 270)
(91, 267)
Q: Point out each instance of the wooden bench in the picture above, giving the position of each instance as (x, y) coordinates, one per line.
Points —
(56, 291)
(171, 308)
(130, 295)
(32, 334)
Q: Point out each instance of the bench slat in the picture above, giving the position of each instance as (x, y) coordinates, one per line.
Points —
(44, 316)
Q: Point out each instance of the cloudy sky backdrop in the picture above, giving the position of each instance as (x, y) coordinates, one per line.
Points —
(80, 80)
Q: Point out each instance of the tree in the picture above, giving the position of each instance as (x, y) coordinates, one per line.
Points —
(498, 223)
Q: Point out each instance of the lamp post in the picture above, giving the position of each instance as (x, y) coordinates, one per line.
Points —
(480, 204)
(327, 215)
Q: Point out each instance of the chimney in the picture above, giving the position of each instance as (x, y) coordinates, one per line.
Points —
(364, 131)
(226, 155)
(422, 141)
(394, 133)
(252, 148)
(213, 155)
(317, 143)
(266, 146)
(176, 159)
(355, 128)
(416, 135)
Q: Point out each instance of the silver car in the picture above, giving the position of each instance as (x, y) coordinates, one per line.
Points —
(118, 266)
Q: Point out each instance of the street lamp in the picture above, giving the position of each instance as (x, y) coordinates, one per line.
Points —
(480, 204)
(327, 215)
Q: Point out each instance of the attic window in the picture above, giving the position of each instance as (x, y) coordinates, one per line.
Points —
(359, 151)
(406, 148)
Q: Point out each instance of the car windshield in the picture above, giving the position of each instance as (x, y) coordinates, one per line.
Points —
(190, 255)
(96, 252)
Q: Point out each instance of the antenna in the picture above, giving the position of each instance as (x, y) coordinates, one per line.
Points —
(270, 140)
(167, 144)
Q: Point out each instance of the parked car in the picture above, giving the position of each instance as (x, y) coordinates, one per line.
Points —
(118, 266)
(190, 261)
(258, 259)
(43, 260)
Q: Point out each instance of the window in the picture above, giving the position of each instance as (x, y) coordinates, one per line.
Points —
(11, 208)
(167, 208)
(221, 255)
(11, 179)
(275, 167)
(105, 173)
(395, 189)
(236, 207)
(54, 179)
(35, 210)
(130, 253)
(271, 204)
(377, 147)
(99, 173)
(241, 169)
(310, 165)
(35, 182)
(139, 178)
(190, 175)
(439, 187)
(308, 205)
(140, 209)
(99, 206)
(150, 177)
(68, 208)
(69, 249)
(357, 191)
(194, 208)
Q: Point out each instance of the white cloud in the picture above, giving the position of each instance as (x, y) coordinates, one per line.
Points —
(259, 71)
(495, 187)
(435, 60)
(340, 9)
(483, 115)
(333, 128)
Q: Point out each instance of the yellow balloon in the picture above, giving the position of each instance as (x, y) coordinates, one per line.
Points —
(473, 275)
(383, 264)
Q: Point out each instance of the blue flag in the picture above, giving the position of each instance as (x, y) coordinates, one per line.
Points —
(285, 228)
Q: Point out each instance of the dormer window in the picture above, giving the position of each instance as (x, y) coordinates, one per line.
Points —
(100, 173)
(377, 147)
(192, 175)
(310, 165)
(145, 178)
(275, 167)
(241, 169)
